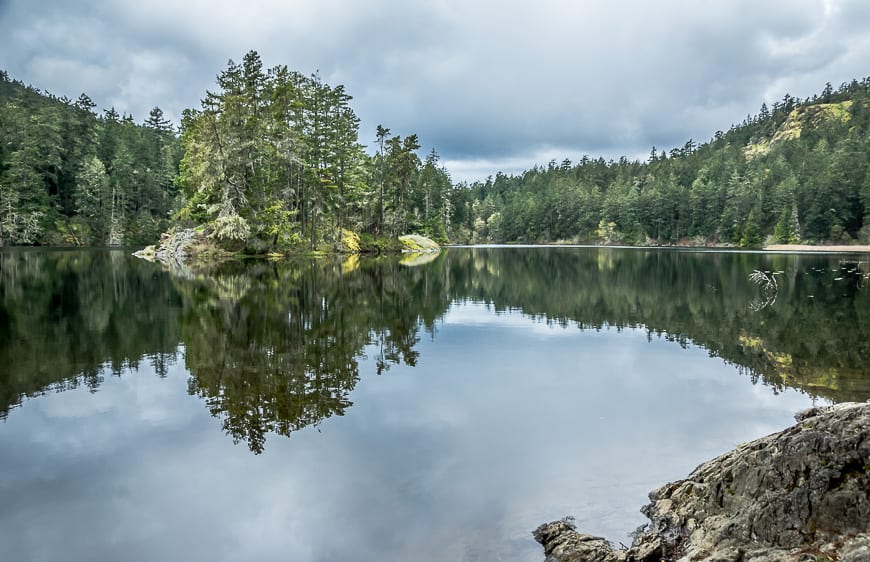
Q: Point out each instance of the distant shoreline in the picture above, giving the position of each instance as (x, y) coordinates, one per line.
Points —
(795, 248)
(783, 248)
(823, 248)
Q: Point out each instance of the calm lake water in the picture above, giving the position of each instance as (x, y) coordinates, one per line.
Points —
(378, 410)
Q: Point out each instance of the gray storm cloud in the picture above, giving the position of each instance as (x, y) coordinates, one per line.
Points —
(490, 85)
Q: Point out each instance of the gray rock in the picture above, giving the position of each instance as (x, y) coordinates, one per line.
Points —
(800, 494)
(562, 543)
(173, 248)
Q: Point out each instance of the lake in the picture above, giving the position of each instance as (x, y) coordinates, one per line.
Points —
(383, 409)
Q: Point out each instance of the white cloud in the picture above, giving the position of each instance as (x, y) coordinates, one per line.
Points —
(490, 85)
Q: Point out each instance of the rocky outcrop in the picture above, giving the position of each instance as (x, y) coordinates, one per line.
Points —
(172, 248)
(562, 543)
(176, 249)
(802, 494)
(414, 243)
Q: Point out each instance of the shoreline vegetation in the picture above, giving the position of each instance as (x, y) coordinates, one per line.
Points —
(272, 163)
(195, 247)
(780, 248)
(189, 247)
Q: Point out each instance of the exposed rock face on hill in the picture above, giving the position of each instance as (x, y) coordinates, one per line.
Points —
(802, 494)
(812, 116)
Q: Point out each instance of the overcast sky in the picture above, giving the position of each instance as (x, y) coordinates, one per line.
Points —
(491, 85)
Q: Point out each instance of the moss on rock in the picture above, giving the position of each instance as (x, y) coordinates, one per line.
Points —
(415, 243)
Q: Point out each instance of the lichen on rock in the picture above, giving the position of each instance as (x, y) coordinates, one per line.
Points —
(415, 243)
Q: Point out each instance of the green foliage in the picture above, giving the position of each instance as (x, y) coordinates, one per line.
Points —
(373, 244)
(787, 229)
(607, 232)
(350, 242)
(69, 176)
(799, 169)
(93, 199)
(231, 228)
(751, 236)
(272, 160)
(434, 228)
(277, 225)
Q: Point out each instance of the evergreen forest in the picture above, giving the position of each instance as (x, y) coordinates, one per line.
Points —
(796, 172)
(272, 161)
(70, 176)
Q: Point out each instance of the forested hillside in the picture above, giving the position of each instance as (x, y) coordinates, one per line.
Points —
(796, 172)
(272, 161)
(70, 176)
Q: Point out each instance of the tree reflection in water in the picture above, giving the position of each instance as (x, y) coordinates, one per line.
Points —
(274, 347)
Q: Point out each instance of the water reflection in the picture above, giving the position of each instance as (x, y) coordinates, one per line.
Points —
(814, 338)
(70, 318)
(275, 347)
(518, 386)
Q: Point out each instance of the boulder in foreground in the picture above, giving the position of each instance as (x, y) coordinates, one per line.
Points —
(802, 494)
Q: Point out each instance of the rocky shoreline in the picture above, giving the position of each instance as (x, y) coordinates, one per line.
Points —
(173, 248)
(800, 495)
(180, 249)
